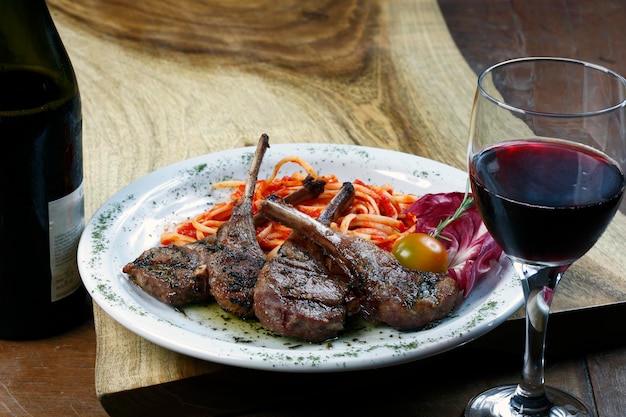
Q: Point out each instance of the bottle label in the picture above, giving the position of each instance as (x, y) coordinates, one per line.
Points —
(67, 221)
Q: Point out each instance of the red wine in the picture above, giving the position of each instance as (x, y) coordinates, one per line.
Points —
(41, 177)
(545, 201)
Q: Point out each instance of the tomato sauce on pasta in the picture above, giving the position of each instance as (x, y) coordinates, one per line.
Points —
(377, 213)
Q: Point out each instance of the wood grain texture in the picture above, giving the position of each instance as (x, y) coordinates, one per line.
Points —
(437, 387)
(50, 377)
(321, 38)
(156, 92)
(608, 371)
(162, 81)
(490, 31)
(422, 389)
(158, 95)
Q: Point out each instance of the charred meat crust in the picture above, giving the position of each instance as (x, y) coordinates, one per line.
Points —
(296, 294)
(235, 264)
(388, 292)
(175, 275)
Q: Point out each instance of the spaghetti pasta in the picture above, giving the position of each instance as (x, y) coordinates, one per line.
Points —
(377, 213)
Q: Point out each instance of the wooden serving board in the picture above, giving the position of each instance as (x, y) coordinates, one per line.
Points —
(164, 81)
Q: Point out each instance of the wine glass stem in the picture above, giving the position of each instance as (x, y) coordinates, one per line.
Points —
(538, 284)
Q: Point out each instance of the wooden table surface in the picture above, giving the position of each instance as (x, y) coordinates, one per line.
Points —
(162, 81)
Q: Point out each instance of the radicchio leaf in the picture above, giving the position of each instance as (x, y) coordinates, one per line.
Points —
(471, 250)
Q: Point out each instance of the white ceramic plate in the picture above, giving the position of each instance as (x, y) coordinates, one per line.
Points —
(132, 220)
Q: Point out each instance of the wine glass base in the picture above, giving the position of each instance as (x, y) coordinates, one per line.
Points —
(495, 402)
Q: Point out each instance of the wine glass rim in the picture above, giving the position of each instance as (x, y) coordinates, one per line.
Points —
(620, 79)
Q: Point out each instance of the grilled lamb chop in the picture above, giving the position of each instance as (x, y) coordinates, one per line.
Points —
(403, 298)
(175, 275)
(296, 294)
(238, 257)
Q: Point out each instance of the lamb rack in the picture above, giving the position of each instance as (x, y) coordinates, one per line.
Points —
(179, 275)
(403, 298)
(296, 294)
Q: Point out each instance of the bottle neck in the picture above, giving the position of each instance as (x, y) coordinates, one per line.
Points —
(33, 60)
(28, 35)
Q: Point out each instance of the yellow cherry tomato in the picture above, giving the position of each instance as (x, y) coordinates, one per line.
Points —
(422, 252)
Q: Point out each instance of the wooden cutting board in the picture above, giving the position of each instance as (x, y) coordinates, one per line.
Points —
(164, 81)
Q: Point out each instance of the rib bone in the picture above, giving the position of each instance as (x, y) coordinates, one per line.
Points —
(238, 257)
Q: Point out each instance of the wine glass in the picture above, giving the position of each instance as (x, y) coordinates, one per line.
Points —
(546, 160)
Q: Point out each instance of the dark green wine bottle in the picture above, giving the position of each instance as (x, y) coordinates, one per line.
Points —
(41, 177)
